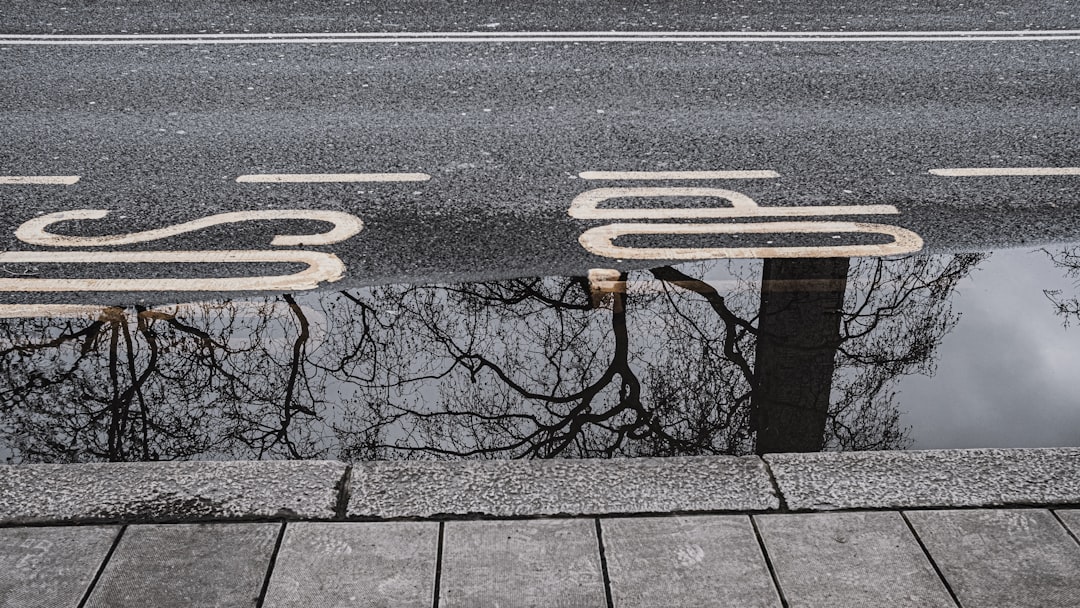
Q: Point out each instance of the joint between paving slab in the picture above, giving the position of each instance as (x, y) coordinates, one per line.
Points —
(138, 520)
(1068, 530)
(930, 558)
(944, 507)
(894, 508)
(270, 567)
(768, 563)
(457, 517)
(447, 517)
(101, 567)
(603, 563)
(438, 566)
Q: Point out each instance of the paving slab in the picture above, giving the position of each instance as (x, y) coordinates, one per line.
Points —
(51, 567)
(327, 565)
(933, 478)
(169, 491)
(841, 560)
(703, 560)
(1003, 557)
(525, 564)
(185, 565)
(509, 488)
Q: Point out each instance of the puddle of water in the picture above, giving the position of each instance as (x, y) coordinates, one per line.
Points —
(1007, 373)
(728, 357)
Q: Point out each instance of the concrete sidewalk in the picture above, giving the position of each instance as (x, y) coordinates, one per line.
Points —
(942, 528)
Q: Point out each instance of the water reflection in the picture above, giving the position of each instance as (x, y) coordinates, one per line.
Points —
(704, 358)
(1067, 306)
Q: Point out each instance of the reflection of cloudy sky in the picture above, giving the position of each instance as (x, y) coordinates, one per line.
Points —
(1009, 373)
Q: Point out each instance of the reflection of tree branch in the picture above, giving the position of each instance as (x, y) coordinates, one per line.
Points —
(289, 402)
(1067, 259)
(134, 390)
(115, 406)
(716, 301)
(89, 333)
(365, 344)
(524, 290)
(551, 438)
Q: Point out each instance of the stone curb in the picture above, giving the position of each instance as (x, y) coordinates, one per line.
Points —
(931, 478)
(322, 490)
(514, 488)
(169, 491)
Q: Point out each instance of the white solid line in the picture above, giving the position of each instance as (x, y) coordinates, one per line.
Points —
(683, 34)
(547, 39)
(989, 171)
(496, 37)
(552, 33)
(316, 178)
(536, 34)
(678, 174)
(53, 180)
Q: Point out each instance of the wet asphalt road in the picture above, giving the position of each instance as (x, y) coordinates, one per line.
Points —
(60, 16)
(159, 134)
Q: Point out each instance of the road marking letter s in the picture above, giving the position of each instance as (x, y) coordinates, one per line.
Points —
(321, 266)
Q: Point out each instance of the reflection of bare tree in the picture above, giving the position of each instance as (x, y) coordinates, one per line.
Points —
(518, 368)
(895, 315)
(1067, 259)
(145, 384)
(532, 372)
(674, 372)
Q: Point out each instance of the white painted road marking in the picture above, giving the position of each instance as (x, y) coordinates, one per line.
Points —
(236, 308)
(1006, 171)
(302, 178)
(600, 241)
(584, 206)
(50, 180)
(534, 37)
(577, 33)
(678, 174)
(34, 231)
(15, 311)
(320, 267)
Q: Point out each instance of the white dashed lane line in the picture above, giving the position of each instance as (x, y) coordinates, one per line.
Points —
(735, 205)
(678, 175)
(316, 178)
(45, 180)
(1005, 171)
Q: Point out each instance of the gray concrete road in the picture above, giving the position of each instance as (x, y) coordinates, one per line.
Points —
(462, 154)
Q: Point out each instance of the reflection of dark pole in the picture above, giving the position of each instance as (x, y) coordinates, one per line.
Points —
(798, 334)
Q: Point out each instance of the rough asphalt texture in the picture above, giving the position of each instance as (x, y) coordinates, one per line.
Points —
(160, 133)
(189, 16)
